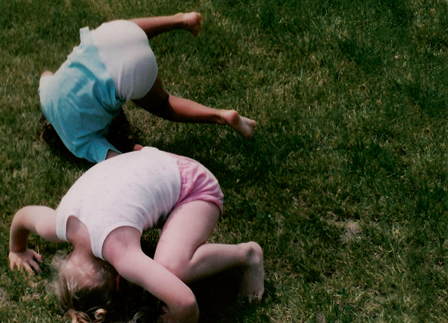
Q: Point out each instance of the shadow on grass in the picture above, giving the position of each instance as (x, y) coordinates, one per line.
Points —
(217, 296)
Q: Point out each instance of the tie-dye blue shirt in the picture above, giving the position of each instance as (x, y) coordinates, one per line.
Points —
(79, 101)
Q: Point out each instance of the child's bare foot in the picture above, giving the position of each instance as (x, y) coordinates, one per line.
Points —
(252, 285)
(192, 22)
(242, 125)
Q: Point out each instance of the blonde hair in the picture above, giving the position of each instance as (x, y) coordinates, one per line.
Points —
(86, 296)
(81, 317)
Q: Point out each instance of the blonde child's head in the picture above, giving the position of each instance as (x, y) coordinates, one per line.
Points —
(85, 290)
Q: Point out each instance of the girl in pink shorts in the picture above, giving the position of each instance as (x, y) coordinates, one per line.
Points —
(103, 216)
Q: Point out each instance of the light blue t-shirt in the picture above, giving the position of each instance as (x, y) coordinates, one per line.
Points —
(79, 101)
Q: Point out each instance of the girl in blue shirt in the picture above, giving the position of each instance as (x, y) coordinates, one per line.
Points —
(114, 64)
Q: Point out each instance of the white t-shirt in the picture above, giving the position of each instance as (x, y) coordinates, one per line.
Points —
(137, 189)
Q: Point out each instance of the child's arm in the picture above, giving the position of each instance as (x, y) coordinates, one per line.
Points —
(139, 269)
(123, 251)
(37, 219)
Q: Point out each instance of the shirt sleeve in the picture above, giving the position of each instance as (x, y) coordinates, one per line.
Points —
(95, 150)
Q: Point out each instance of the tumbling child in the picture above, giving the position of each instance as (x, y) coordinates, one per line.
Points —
(103, 216)
(114, 64)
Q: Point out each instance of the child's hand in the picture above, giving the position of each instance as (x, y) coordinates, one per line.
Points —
(27, 259)
(166, 317)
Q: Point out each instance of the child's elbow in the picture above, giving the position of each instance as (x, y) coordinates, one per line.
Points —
(187, 309)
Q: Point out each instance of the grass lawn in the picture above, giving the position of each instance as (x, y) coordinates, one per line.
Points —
(344, 184)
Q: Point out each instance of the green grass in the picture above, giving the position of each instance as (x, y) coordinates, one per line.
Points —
(344, 184)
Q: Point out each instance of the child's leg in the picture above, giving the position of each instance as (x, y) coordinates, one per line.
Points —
(182, 249)
(160, 103)
(154, 26)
